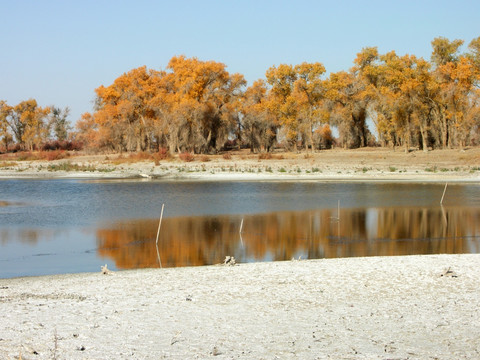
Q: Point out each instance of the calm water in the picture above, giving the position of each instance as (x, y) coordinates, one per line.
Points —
(62, 226)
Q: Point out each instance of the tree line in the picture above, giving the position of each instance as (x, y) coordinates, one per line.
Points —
(199, 107)
(27, 126)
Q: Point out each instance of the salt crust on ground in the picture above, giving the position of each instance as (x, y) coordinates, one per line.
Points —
(413, 307)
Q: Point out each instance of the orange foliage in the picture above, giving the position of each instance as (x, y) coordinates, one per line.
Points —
(197, 106)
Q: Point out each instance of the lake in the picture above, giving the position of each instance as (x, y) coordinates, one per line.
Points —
(62, 225)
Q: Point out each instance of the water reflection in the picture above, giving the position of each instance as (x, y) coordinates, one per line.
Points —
(326, 233)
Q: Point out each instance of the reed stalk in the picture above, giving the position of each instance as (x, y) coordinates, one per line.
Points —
(444, 191)
(158, 234)
(160, 223)
(338, 211)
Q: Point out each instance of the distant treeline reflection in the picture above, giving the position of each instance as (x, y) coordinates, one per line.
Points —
(193, 241)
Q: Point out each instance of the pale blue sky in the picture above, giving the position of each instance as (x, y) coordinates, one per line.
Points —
(59, 51)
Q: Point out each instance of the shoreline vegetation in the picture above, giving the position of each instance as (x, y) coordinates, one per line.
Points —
(336, 164)
(402, 307)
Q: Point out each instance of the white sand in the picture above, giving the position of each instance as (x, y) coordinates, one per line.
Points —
(358, 308)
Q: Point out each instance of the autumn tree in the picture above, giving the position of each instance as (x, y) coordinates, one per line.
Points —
(456, 87)
(445, 51)
(457, 76)
(350, 94)
(309, 93)
(401, 84)
(280, 101)
(258, 125)
(296, 100)
(423, 91)
(5, 112)
(122, 112)
(192, 106)
(28, 123)
(473, 54)
(204, 97)
(86, 132)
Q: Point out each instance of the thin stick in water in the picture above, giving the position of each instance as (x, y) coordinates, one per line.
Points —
(158, 257)
(240, 233)
(158, 234)
(338, 211)
(444, 191)
(160, 223)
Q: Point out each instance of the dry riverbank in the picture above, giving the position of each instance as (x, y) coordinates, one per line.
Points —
(361, 164)
(413, 307)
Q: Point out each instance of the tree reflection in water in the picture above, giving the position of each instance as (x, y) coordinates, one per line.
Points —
(193, 241)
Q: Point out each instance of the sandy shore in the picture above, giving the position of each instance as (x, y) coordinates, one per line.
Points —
(414, 307)
(337, 165)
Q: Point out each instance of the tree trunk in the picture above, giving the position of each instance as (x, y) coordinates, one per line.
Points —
(444, 130)
(310, 136)
(407, 135)
(424, 136)
(358, 128)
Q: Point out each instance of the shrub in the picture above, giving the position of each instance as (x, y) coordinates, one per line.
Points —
(62, 145)
(142, 155)
(14, 148)
(204, 158)
(162, 154)
(74, 146)
(186, 157)
(227, 156)
(68, 166)
(53, 155)
(264, 156)
(51, 145)
(26, 155)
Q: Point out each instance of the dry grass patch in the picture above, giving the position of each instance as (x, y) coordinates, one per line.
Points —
(270, 156)
(186, 157)
(131, 158)
(5, 164)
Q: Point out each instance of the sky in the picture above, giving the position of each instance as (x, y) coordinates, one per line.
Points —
(59, 51)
